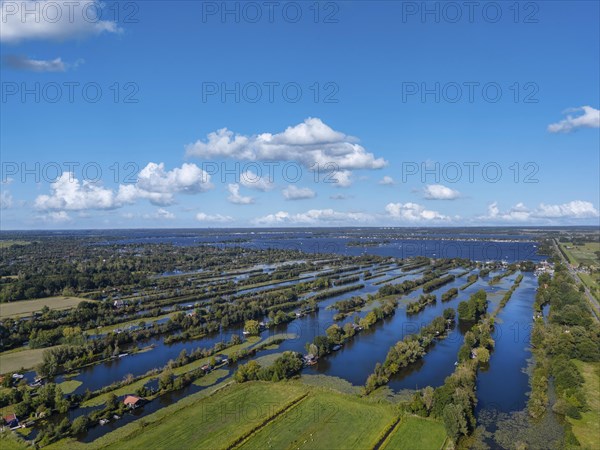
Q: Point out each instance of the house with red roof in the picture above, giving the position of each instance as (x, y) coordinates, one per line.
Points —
(133, 401)
(11, 421)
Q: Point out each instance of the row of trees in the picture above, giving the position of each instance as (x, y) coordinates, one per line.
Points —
(407, 285)
(336, 335)
(434, 284)
(471, 310)
(470, 280)
(449, 294)
(284, 367)
(420, 304)
(509, 293)
(408, 350)
(569, 334)
(347, 280)
(348, 305)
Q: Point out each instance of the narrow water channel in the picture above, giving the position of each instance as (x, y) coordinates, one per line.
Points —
(503, 386)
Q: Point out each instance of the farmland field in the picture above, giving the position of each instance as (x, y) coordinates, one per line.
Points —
(269, 415)
(416, 432)
(28, 307)
(582, 254)
(587, 255)
(591, 282)
(10, 243)
(15, 360)
(324, 420)
(217, 420)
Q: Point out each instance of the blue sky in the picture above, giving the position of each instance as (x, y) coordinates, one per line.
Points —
(150, 114)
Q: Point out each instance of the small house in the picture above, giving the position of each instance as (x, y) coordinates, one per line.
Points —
(133, 401)
(11, 421)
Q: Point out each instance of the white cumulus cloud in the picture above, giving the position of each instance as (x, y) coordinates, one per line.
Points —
(159, 186)
(295, 193)
(252, 180)
(387, 181)
(314, 217)
(187, 179)
(413, 212)
(576, 209)
(154, 183)
(236, 197)
(215, 218)
(440, 192)
(339, 178)
(590, 118)
(53, 20)
(308, 143)
(68, 193)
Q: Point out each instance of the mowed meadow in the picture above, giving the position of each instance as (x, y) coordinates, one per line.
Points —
(26, 308)
(262, 415)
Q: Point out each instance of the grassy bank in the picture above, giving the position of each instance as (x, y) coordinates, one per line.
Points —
(416, 433)
(587, 429)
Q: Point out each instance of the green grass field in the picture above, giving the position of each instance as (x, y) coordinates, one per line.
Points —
(69, 386)
(13, 361)
(262, 415)
(212, 377)
(416, 433)
(325, 420)
(587, 429)
(24, 308)
(592, 283)
(582, 254)
(215, 422)
(9, 442)
(586, 254)
(10, 243)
